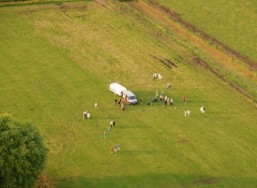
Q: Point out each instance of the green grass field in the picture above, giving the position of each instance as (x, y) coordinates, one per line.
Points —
(233, 22)
(57, 60)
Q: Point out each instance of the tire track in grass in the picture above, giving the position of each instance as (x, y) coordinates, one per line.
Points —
(177, 18)
(198, 37)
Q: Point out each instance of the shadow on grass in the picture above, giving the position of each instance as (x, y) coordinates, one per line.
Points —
(148, 96)
(158, 180)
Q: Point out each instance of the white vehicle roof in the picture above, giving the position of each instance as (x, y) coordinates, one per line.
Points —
(129, 93)
(117, 88)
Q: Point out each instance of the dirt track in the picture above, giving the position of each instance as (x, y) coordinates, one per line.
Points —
(225, 56)
(176, 17)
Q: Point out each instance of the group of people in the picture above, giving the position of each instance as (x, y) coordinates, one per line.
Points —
(169, 101)
(166, 100)
(162, 97)
(187, 112)
(157, 76)
(116, 147)
(86, 115)
(202, 109)
(112, 124)
(121, 103)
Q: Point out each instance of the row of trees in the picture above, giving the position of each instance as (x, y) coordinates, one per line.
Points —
(22, 153)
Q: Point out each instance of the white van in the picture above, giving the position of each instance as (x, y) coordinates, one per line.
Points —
(130, 97)
(117, 89)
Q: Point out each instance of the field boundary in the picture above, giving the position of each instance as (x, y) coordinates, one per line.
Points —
(169, 18)
(177, 18)
(27, 3)
(237, 87)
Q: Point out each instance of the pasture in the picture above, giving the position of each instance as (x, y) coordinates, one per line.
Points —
(57, 60)
(233, 22)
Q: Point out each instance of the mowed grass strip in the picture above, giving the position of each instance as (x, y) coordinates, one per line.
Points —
(55, 64)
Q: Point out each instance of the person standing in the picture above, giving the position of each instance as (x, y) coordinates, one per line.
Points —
(119, 102)
(171, 102)
(184, 99)
(165, 101)
(168, 86)
(112, 123)
(122, 106)
(188, 113)
(85, 115)
(202, 109)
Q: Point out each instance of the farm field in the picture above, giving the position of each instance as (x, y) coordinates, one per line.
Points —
(233, 22)
(57, 60)
(236, 69)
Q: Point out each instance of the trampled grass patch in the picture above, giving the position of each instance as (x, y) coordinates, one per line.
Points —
(58, 60)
